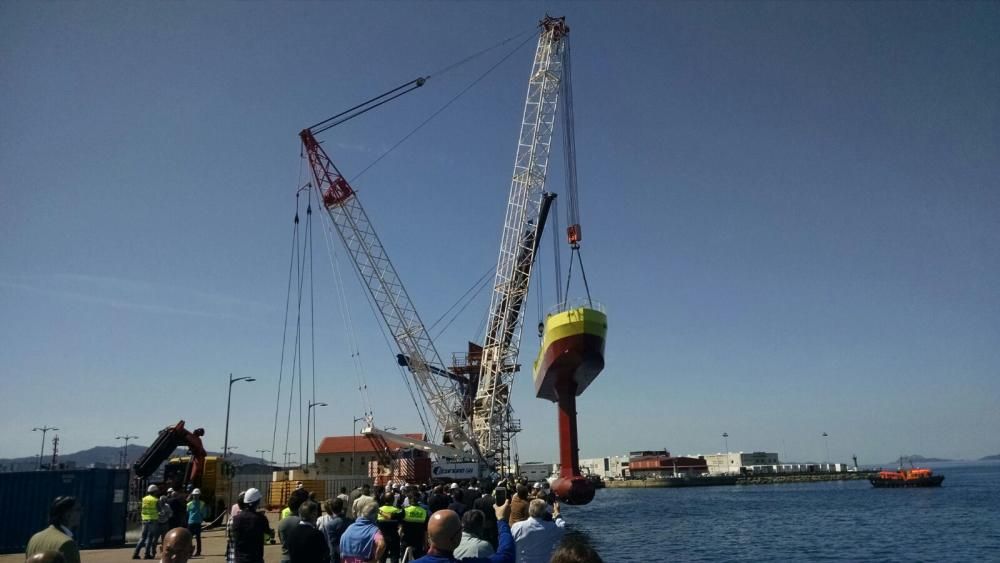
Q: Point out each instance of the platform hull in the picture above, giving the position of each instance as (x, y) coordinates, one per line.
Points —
(571, 357)
(932, 481)
(573, 348)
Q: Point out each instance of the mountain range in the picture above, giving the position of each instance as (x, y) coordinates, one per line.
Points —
(108, 456)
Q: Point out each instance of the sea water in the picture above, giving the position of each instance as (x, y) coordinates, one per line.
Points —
(839, 520)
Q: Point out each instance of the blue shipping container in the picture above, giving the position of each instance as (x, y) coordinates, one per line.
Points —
(102, 494)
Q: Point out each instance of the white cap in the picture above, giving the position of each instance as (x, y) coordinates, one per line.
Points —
(152, 489)
(251, 496)
(454, 485)
(196, 492)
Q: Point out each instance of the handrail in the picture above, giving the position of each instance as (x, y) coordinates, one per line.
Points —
(576, 303)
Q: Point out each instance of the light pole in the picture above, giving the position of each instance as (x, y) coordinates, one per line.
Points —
(826, 440)
(725, 442)
(41, 454)
(126, 437)
(262, 452)
(229, 399)
(308, 420)
(354, 444)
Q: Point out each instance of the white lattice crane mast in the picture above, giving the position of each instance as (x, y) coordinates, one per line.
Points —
(519, 242)
(438, 388)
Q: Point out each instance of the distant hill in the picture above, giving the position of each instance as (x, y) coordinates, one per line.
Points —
(915, 459)
(990, 458)
(105, 456)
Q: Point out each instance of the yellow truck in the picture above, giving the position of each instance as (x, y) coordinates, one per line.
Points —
(215, 481)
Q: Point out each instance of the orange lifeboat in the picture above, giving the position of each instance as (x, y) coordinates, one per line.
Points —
(915, 477)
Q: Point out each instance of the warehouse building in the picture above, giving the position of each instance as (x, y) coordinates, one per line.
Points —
(350, 455)
(735, 462)
(610, 467)
(660, 464)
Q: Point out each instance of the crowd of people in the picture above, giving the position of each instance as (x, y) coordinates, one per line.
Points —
(161, 513)
(505, 522)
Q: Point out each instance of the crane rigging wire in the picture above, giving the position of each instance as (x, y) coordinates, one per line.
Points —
(474, 290)
(441, 109)
(297, 356)
(284, 331)
(483, 285)
(317, 128)
(296, 256)
(557, 251)
(312, 321)
(363, 386)
(348, 319)
(405, 88)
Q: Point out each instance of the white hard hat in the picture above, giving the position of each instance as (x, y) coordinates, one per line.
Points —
(251, 496)
(170, 489)
(152, 489)
(454, 485)
(196, 492)
(538, 486)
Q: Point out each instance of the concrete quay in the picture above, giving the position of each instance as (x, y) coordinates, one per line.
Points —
(213, 549)
(805, 478)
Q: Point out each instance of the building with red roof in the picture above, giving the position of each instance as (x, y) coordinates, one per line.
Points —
(350, 455)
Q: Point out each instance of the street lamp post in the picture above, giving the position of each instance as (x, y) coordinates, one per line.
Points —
(725, 442)
(826, 440)
(229, 399)
(262, 452)
(308, 420)
(44, 430)
(126, 437)
(354, 443)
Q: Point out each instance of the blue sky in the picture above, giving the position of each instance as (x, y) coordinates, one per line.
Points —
(791, 212)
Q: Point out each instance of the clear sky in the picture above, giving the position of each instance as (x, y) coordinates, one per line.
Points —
(791, 212)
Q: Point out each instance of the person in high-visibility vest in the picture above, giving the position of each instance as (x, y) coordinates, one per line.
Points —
(150, 525)
(389, 517)
(414, 524)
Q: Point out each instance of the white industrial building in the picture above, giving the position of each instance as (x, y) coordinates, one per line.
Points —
(733, 462)
(611, 467)
(537, 471)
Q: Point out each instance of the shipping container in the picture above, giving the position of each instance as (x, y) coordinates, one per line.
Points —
(102, 495)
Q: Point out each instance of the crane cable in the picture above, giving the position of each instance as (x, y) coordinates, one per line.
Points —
(297, 356)
(284, 331)
(312, 322)
(405, 88)
(356, 352)
(576, 251)
(345, 312)
(475, 289)
(365, 107)
(441, 109)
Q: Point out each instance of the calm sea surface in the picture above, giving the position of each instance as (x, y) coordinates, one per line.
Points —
(847, 520)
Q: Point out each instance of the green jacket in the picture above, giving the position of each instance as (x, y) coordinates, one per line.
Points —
(53, 539)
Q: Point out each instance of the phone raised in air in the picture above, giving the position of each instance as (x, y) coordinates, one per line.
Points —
(500, 494)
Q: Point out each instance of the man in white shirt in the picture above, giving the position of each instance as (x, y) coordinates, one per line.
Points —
(536, 538)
